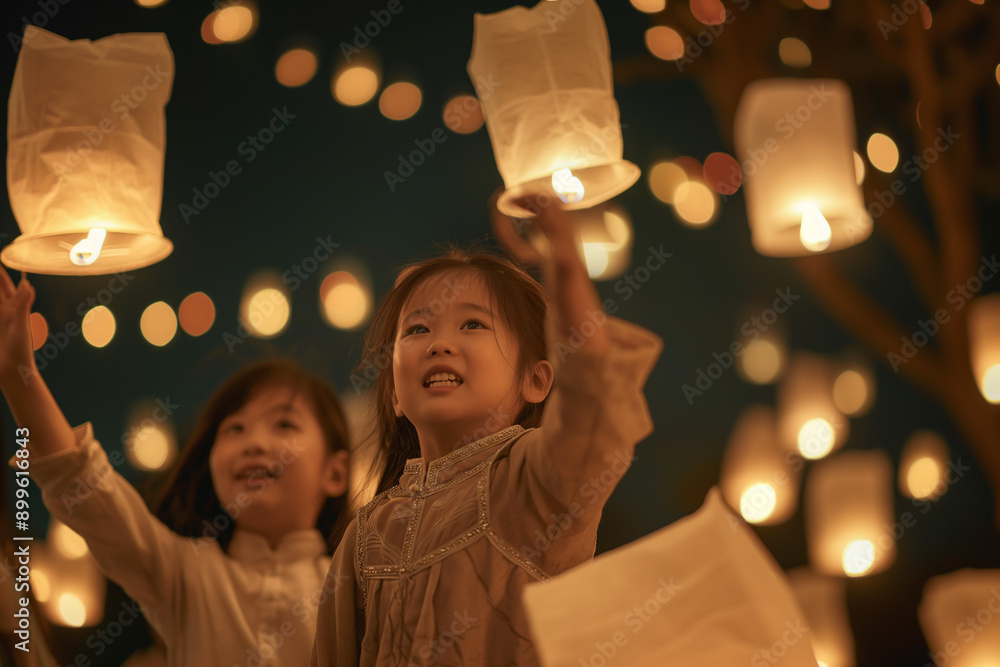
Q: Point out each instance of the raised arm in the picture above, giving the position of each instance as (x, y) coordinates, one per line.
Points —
(22, 385)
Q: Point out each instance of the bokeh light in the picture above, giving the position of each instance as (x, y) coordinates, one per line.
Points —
(926, 17)
(649, 6)
(818, 4)
(463, 115)
(355, 85)
(991, 384)
(39, 330)
(882, 152)
(664, 178)
(231, 24)
(98, 326)
(923, 465)
(851, 392)
(757, 502)
(158, 323)
(72, 610)
(150, 4)
(664, 42)
(722, 173)
(344, 301)
(761, 362)
(815, 439)
(859, 168)
(709, 12)
(296, 67)
(152, 448)
(265, 311)
(196, 313)
(694, 204)
(794, 52)
(41, 586)
(859, 557)
(399, 101)
(66, 541)
(922, 477)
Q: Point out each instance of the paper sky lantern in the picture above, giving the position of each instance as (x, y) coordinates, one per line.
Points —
(702, 592)
(984, 344)
(759, 478)
(958, 615)
(808, 419)
(86, 136)
(849, 519)
(795, 140)
(543, 77)
(824, 600)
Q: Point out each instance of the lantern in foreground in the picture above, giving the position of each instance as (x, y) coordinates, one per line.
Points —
(546, 93)
(795, 139)
(824, 601)
(86, 139)
(958, 617)
(984, 345)
(848, 503)
(808, 420)
(759, 478)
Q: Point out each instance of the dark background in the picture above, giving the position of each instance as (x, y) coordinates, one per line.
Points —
(324, 175)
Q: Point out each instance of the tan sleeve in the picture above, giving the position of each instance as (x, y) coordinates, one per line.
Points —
(340, 618)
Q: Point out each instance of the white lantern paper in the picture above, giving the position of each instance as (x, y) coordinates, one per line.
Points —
(795, 140)
(759, 478)
(702, 592)
(849, 519)
(808, 419)
(959, 617)
(543, 77)
(984, 345)
(86, 136)
(824, 600)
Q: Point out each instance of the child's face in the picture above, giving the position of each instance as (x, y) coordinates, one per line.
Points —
(270, 465)
(447, 323)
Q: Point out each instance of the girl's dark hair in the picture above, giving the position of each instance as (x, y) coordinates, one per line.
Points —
(186, 501)
(517, 298)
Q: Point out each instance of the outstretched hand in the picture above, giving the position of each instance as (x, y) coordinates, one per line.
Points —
(574, 297)
(15, 333)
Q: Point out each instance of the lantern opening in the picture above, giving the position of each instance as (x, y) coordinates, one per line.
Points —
(991, 384)
(757, 502)
(567, 186)
(815, 232)
(815, 439)
(859, 557)
(88, 250)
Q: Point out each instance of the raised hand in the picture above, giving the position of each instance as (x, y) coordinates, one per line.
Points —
(16, 358)
(574, 297)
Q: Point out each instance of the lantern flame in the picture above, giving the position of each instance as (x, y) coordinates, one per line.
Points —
(88, 250)
(991, 384)
(816, 438)
(758, 502)
(815, 232)
(567, 186)
(859, 557)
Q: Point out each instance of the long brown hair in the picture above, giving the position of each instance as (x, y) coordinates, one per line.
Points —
(517, 298)
(186, 501)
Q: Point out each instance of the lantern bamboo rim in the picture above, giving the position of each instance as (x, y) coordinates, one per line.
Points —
(34, 253)
(625, 175)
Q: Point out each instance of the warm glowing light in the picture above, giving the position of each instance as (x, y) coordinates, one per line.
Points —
(151, 448)
(923, 477)
(567, 186)
(39, 330)
(158, 323)
(664, 42)
(98, 326)
(233, 23)
(196, 314)
(761, 362)
(925, 15)
(991, 384)
(859, 168)
(463, 115)
(757, 502)
(344, 301)
(859, 556)
(997, 74)
(400, 101)
(88, 250)
(355, 86)
(596, 257)
(40, 584)
(649, 6)
(72, 610)
(794, 52)
(265, 313)
(815, 232)
(67, 541)
(709, 12)
(850, 392)
(821, 5)
(882, 152)
(664, 178)
(296, 67)
(149, 4)
(722, 173)
(815, 439)
(694, 203)
(820, 663)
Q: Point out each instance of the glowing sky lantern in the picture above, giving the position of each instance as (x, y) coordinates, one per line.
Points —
(65, 153)
(984, 345)
(854, 388)
(958, 619)
(757, 478)
(923, 466)
(824, 600)
(795, 140)
(556, 109)
(809, 422)
(848, 502)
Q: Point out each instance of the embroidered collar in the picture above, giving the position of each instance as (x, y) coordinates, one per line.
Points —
(413, 472)
(249, 546)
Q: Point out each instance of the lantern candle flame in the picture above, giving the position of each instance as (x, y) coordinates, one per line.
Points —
(859, 557)
(567, 186)
(88, 250)
(815, 232)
